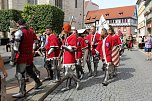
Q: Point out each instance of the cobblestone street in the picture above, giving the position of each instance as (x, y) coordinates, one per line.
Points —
(133, 83)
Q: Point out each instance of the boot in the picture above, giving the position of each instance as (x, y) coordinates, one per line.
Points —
(78, 85)
(95, 69)
(82, 73)
(50, 75)
(68, 82)
(56, 76)
(105, 82)
(37, 85)
(115, 72)
(22, 91)
(90, 70)
(37, 81)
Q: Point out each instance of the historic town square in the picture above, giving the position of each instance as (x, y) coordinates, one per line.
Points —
(75, 50)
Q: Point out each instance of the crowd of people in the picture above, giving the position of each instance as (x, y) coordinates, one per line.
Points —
(71, 49)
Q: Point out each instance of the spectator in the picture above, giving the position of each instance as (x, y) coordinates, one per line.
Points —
(148, 46)
(140, 42)
(43, 39)
(8, 46)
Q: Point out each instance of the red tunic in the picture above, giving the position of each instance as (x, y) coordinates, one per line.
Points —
(105, 49)
(93, 42)
(69, 57)
(25, 55)
(116, 40)
(52, 42)
(80, 46)
(115, 50)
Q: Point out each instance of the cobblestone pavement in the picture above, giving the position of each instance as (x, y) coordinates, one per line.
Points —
(133, 83)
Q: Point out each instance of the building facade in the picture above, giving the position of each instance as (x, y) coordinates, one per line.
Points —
(73, 9)
(123, 19)
(141, 18)
(89, 6)
(148, 15)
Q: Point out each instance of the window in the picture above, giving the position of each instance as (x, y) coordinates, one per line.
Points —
(58, 3)
(107, 14)
(120, 13)
(126, 20)
(32, 1)
(76, 4)
(110, 21)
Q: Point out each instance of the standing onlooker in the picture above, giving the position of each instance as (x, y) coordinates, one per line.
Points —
(130, 42)
(140, 42)
(8, 46)
(43, 39)
(148, 46)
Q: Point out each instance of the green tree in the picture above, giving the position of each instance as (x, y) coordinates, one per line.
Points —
(6, 16)
(41, 16)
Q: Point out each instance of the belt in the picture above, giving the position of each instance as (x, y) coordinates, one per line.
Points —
(26, 52)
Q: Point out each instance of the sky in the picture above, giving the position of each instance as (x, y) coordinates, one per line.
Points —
(113, 3)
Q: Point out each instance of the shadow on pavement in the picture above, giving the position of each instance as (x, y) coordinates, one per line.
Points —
(123, 74)
(124, 58)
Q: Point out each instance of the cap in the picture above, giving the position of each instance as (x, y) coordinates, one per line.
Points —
(66, 28)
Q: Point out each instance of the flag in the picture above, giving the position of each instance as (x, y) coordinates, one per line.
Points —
(102, 24)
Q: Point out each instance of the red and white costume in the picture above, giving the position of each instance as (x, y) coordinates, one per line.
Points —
(69, 57)
(116, 41)
(105, 49)
(93, 41)
(81, 45)
(52, 42)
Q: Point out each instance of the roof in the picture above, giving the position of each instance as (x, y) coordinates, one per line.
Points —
(87, 2)
(110, 13)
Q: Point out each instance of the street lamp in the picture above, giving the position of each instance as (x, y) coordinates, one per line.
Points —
(72, 19)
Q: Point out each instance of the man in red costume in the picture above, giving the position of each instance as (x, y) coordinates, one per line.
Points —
(23, 48)
(52, 47)
(116, 41)
(93, 38)
(81, 46)
(104, 48)
(69, 48)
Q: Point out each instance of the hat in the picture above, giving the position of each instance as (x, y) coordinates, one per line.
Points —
(66, 28)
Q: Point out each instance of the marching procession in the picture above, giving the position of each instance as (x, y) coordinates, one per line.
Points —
(69, 50)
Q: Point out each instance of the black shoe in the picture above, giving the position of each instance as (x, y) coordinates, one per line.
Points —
(27, 80)
(37, 85)
(105, 83)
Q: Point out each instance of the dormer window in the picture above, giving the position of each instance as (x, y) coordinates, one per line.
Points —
(94, 17)
(88, 18)
(120, 13)
(107, 14)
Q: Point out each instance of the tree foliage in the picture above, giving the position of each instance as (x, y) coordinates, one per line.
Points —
(6, 16)
(41, 16)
